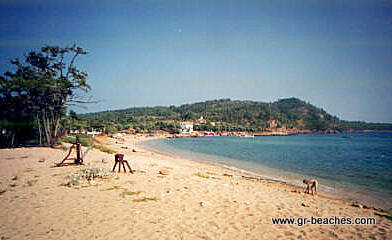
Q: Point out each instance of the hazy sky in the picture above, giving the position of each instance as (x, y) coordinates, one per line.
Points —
(334, 54)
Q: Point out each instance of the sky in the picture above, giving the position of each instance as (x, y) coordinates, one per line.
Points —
(334, 54)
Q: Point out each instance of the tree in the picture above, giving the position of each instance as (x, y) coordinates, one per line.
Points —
(73, 115)
(15, 118)
(43, 85)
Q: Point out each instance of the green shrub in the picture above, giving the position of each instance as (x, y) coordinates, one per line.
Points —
(104, 149)
(202, 175)
(146, 199)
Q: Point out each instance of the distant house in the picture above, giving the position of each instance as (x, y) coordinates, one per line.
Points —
(78, 131)
(202, 120)
(93, 130)
(186, 128)
(96, 130)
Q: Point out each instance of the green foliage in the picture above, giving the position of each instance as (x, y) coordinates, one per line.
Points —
(85, 141)
(357, 125)
(228, 115)
(129, 193)
(202, 175)
(146, 199)
(37, 93)
(73, 115)
(104, 149)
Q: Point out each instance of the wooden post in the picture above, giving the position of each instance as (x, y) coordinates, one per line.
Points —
(79, 159)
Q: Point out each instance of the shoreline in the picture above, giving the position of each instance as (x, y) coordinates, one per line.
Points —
(166, 198)
(349, 195)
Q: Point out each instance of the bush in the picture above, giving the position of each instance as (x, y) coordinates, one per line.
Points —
(87, 173)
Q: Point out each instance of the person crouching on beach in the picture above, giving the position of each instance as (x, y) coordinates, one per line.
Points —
(312, 185)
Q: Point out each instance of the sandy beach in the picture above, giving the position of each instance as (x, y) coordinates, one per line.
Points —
(166, 198)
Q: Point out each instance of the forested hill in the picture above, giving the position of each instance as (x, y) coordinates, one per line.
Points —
(231, 115)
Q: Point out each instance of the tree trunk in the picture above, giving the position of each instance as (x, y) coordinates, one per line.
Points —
(46, 128)
(12, 138)
(56, 129)
(39, 130)
(51, 126)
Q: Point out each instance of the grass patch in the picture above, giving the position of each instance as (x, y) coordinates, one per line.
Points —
(130, 193)
(86, 141)
(113, 188)
(146, 199)
(67, 139)
(104, 149)
(61, 147)
(202, 175)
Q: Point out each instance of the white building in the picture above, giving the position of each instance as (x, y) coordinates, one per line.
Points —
(202, 120)
(94, 132)
(186, 128)
(78, 131)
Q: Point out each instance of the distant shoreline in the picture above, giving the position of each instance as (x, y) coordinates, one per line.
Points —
(278, 133)
(344, 194)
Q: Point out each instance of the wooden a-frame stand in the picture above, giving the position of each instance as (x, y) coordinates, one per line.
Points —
(119, 158)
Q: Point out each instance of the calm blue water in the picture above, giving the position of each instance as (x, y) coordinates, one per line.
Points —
(358, 162)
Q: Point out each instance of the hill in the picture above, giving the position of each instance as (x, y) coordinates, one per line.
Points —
(231, 115)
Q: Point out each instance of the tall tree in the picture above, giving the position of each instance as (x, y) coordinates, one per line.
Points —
(43, 85)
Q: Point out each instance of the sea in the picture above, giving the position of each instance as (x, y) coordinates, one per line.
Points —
(353, 166)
